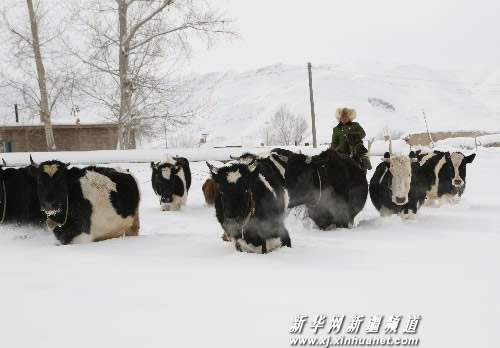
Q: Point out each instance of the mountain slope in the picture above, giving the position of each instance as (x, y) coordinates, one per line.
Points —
(245, 102)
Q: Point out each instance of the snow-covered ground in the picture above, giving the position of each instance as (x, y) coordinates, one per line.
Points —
(179, 285)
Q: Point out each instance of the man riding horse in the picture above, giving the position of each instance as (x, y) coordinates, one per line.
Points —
(345, 128)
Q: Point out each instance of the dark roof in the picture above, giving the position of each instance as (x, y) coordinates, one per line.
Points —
(59, 126)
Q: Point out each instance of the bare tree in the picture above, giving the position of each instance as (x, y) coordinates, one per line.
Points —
(285, 128)
(136, 50)
(391, 133)
(35, 70)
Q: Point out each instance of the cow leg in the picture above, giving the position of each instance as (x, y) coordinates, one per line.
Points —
(285, 239)
(225, 237)
(264, 245)
(133, 230)
(384, 211)
(237, 245)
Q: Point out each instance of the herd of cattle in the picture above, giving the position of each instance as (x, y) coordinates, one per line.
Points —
(251, 193)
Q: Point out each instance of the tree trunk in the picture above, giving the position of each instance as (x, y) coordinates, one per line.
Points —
(125, 92)
(44, 99)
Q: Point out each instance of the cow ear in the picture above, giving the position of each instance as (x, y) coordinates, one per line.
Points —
(153, 166)
(252, 166)
(74, 173)
(213, 169)
(283, 158)
(387, 157)
(470, 158)
(31, 170)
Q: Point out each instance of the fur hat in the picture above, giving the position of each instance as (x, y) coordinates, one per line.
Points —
(350, 113)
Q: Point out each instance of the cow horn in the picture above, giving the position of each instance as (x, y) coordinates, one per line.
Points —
(234, 158)
(4, 163)
(213, 169)
(33, 162)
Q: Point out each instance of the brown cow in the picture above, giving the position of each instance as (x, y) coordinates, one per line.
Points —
(209, 191)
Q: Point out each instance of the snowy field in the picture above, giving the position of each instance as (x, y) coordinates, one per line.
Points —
(180, 285)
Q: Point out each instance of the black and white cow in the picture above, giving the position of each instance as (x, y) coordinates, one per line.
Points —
(449, 174)
(332, 186)
(250, 206)
(171, 180)
(18, 198)
(88, 204)
(399, 185)
(276, 158)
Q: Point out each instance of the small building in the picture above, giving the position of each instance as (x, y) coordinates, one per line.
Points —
(423, 139)
(68, 137)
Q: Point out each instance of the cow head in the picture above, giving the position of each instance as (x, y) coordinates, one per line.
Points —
(400, 179)
(52, 185)
(458, 168)
(167, 182)
(234, 192)
(299, 179)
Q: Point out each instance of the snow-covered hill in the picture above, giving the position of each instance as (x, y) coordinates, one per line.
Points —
(245, 101)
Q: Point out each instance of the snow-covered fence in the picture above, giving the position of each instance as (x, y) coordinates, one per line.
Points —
(141, 155)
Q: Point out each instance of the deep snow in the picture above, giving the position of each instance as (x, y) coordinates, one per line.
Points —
(180, 285)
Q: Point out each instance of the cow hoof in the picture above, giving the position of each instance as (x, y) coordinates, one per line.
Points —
(225, 237)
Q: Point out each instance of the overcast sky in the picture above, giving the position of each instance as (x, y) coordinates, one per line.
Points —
(435, 33)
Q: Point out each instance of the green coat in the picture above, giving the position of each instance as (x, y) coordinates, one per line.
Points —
(341, 130)
(338, 139)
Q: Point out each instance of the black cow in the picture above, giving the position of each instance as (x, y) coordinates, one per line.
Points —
(171, 180)
(449, 174)
(88, 204)
(250, 206)
(18, 197)
(332, 186)
(399, 185)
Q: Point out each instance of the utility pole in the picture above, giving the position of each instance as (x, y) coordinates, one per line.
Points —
(313, 117)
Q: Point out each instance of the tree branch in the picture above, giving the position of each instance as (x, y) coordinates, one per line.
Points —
(144, 20)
